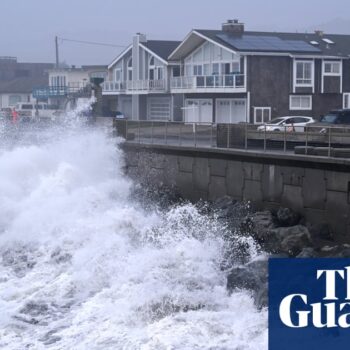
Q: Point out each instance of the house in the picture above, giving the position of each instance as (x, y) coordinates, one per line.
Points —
(232, 75)
(65, 84)
(18, 79)
(138, 83)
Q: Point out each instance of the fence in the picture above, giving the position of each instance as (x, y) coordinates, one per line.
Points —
(311, 140)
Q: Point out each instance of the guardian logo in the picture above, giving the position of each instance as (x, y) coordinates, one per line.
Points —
(309, 304)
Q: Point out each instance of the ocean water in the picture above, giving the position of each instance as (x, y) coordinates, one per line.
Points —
(83, 265)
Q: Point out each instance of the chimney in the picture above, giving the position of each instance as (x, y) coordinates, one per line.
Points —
(319, 33)
(233, 26)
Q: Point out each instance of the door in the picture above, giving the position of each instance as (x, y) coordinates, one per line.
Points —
(231, 110)
(199, 111)
(159, 108)
(126, 107)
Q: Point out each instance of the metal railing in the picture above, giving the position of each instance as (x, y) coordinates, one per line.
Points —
(312, 140)
(230, 81)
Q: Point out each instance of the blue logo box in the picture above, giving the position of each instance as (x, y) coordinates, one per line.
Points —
(309, 304)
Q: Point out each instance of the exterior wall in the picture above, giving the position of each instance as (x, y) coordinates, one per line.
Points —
(317, 189)
(72, 77)
(270, 80)
(346, 75)
(5, 99)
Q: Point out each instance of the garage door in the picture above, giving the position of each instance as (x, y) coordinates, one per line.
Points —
(199, 111)
(159, 108)
(231, 110)
(126, 107)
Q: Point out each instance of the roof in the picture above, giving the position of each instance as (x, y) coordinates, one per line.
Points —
(22, 85)
(162, 48)
(340, 48)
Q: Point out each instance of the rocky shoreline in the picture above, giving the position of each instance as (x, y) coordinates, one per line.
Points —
(282, 233)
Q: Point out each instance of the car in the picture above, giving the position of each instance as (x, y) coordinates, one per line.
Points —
(336, 117)
(287, 123)
(119, 115)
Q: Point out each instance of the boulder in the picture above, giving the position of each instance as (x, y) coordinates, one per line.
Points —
(287, 217)
(253, 277)
(258, 224)
(289, 240)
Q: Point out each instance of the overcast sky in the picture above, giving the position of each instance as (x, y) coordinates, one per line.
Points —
(28, 27)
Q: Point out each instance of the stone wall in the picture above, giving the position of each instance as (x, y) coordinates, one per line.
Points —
(318, 188)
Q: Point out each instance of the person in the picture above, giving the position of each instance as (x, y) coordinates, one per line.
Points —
(14, 116)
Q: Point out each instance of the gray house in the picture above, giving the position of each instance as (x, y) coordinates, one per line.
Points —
(232, 75)
(138, 82)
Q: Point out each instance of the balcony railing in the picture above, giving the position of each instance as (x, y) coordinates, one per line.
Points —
(134, 85)
(113, 86)
(61, 91)
(146, 85)
(231, 81)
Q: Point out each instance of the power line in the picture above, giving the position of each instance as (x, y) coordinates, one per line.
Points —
(92, 43)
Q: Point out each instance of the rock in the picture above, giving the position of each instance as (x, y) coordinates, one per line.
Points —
(287, 217)
(338, 251)
(289, 240)
(308, 253)
(258, 224)
(224, 203)
(252, 276)
(321, 231)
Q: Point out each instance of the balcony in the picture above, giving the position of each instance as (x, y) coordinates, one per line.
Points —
(134, 87)
(73, 88)
(209, 83)
(113, 87)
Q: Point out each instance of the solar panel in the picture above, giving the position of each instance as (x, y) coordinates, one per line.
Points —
(266, 43)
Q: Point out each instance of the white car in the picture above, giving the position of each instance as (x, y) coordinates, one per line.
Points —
(288, 123)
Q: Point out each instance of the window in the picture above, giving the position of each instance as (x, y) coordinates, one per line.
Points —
(300, 102)
(176, 71)
(14, 99)
(304, 75)
(197, 69)
(331, 68)
(118, 74)
(130, 69)
(346, 100)
(262, 114)
(59, 80)
(159, 73)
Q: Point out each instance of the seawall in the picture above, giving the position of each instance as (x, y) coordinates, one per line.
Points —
(316, 187)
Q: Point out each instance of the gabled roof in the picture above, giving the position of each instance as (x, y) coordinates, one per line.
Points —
(268, 42)
(123, 53)
(162, 48)
(159, 48)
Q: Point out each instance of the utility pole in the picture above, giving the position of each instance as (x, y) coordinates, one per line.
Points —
(57, 58)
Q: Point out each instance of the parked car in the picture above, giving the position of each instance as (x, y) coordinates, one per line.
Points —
(119, 115)
(338, 118)
(288, 123)
(335, 117)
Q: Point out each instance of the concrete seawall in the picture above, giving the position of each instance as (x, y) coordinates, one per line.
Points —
(316, 187)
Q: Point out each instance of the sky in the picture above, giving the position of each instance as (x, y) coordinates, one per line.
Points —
(28, 27)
